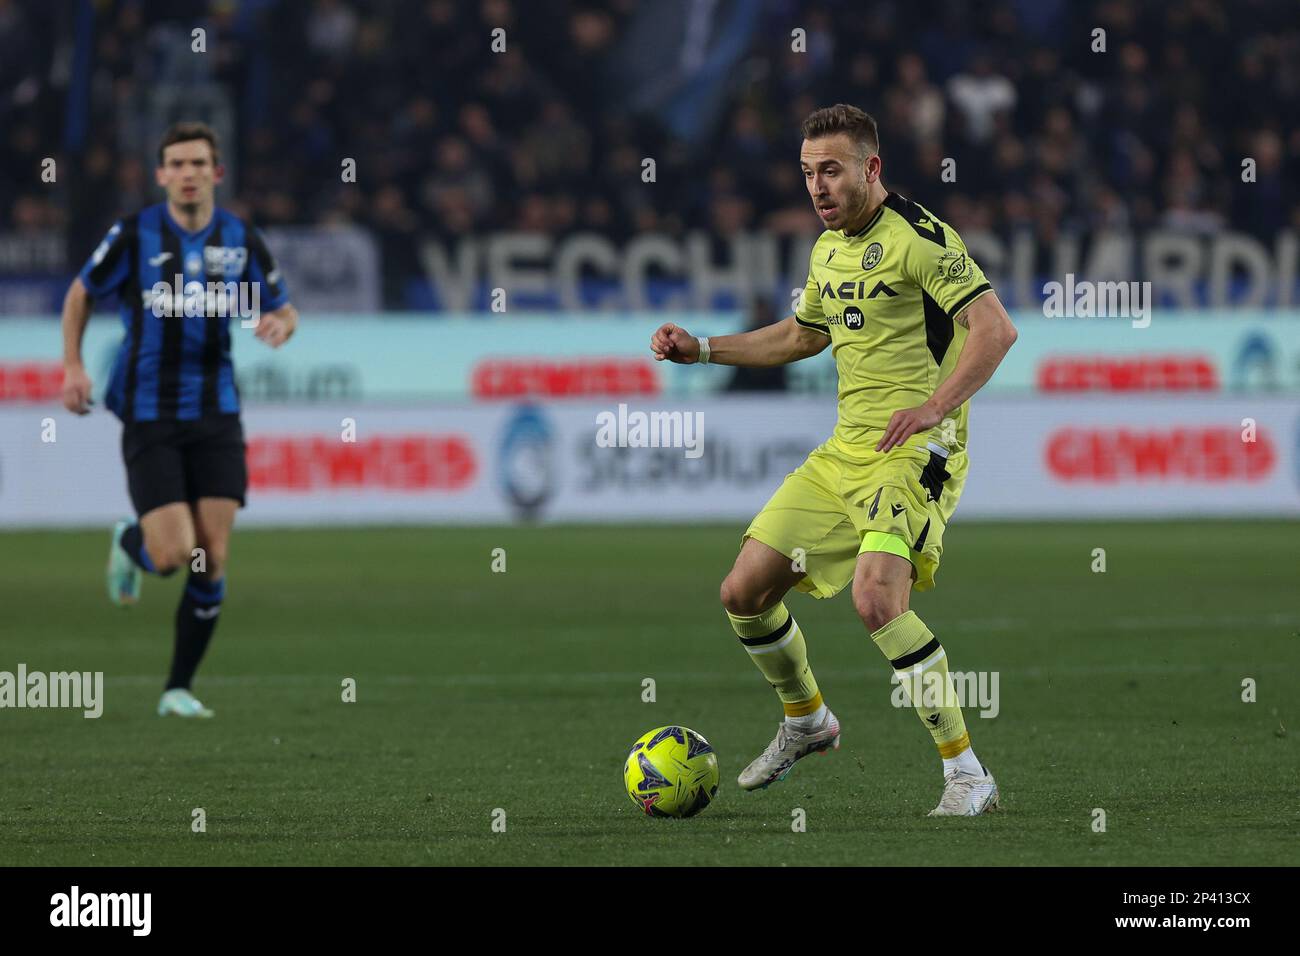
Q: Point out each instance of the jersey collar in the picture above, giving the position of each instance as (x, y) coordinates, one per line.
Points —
(880, 211)
(185, 233)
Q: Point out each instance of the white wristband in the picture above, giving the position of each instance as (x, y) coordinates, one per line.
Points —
(705, 351)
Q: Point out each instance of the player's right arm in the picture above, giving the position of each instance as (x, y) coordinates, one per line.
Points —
(795, 337)
(778, 344)
(105, 272)
(77, 306)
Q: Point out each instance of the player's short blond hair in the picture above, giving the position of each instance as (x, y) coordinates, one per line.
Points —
(843, 118)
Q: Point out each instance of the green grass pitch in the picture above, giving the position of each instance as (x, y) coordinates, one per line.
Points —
(523, 690)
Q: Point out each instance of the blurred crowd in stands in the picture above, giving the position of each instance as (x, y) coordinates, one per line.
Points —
(451, 137)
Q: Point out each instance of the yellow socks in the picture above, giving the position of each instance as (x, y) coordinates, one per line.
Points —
(922, 667)
(777, 648)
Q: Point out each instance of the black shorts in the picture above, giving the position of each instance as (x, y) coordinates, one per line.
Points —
(167, 462)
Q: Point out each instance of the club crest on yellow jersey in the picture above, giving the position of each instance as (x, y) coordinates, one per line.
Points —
(871, 258)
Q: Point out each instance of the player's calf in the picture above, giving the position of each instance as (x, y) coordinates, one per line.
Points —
(751, 595)
(881, 583)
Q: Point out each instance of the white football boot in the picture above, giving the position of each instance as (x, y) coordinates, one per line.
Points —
(788, 746)
(967, 795)
(182, 703)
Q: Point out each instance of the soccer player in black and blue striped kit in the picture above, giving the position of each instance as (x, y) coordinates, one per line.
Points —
(173, 385)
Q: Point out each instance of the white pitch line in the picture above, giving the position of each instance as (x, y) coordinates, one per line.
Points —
(1131, 623)
(868, 673)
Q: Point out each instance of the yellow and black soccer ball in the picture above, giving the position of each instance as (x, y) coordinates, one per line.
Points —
(671, 772)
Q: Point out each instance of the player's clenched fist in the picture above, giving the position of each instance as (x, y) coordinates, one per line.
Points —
(76, 390)
(674, 343)
(275, 328)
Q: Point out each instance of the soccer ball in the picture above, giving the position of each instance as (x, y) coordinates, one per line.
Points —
(671, 772)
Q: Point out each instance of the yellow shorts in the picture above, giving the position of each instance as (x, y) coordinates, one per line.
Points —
(834, 507)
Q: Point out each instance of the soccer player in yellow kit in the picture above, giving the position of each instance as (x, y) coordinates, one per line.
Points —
(916, 330)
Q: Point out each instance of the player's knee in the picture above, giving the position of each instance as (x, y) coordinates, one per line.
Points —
(743, 598)
(170, 555)
(875, 606)
(214, 560)
(170, 560)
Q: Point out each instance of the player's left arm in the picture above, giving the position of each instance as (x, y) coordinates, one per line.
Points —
(990, 336)
(276, 325)
(935, 258)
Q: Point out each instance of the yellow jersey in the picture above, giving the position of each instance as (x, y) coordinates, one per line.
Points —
(888, 297)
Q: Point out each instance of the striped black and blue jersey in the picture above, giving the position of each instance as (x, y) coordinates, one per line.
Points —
(174, 362)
